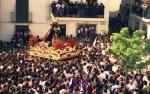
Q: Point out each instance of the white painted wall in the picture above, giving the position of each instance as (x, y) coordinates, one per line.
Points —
(7, 31)
(38, 29)
(114, 6)
(7, 6)
(39, 9)
(6, 28)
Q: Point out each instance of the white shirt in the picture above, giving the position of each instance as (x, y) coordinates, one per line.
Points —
(102, 76)
(115, 87)
(114, 68)
(112, 59)
(55, 70)
(1, 67)
(62, 6)
(58, 6)
(42, 83)
(62, 91)
(85, 68)
(103, 52)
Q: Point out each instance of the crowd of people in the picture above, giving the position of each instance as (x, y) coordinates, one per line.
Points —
(93, 72)
(21, 37)
(87, 32)
(77, 9)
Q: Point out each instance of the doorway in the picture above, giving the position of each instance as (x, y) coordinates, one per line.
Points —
(86, 31)
(21, 34)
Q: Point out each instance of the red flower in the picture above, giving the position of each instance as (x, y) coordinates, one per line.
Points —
(71, 42)
(58, 44)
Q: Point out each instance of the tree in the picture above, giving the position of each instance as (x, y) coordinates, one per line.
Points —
(132, 50)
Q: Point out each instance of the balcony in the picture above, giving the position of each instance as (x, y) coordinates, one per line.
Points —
(21, 17)
(77, 10)
(82, 14)
(140, 11)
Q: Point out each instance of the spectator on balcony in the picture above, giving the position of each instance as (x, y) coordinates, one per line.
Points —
(146, 11)
(95, 10)
(90, 9)
(86, 9)
(75, 8)
(53, 7)
(101, 8)
(66, 9)
(62, 8)
(58, 6)
(71, 5)
(81, 9)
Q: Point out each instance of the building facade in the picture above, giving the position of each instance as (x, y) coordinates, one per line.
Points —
(34, 15)
(136, 14)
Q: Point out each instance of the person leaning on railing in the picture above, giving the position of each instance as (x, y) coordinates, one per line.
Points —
(146, 12)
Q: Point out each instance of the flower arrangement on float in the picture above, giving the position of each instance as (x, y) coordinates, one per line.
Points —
(59, 50)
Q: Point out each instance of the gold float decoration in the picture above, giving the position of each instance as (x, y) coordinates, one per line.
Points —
(52, 53)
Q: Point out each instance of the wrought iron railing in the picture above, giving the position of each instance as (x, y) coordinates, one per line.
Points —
(83, 12)
(21, 17)
(140, 11)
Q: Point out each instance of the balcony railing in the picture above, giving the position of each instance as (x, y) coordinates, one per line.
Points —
(21, 17)
(140, 11)
(79, 11)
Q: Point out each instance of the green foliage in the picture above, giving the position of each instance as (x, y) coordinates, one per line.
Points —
(130, 49)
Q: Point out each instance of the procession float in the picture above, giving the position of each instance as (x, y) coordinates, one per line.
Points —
(58, 49)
